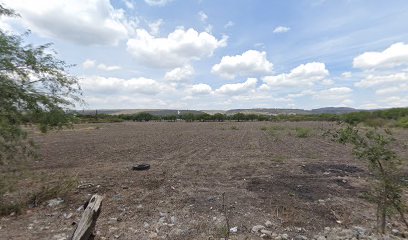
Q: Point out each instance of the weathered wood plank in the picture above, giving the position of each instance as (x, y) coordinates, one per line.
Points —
(87, 223)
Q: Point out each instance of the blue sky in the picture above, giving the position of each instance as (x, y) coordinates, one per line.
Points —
(207, 54)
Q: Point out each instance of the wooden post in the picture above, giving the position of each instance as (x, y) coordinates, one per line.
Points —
(86, 225)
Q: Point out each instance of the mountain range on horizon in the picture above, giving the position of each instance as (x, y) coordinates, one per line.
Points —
(266, 111)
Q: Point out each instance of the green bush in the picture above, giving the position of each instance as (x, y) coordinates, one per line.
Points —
(303, 132)
(403, 122)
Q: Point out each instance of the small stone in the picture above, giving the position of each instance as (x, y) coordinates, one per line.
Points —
(268, 224)
(153, 235)
(61, 236)
(67, 215)
(55, 202)
(140, 206)
(112, 220)
(173, 219)
(263, 235)
(300, 237)
(146, 225)
(395, 232)
(359, 231)
(162, 220)
(284, 236)
(267, 232)
(257, 228)
(234, 230)
(175, 232)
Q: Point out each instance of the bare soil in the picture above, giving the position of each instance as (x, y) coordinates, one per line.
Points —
(299, 184)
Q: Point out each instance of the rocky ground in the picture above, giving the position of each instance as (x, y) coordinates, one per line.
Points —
(259, 180)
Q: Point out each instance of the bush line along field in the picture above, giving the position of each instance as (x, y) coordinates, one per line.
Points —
(396, 117)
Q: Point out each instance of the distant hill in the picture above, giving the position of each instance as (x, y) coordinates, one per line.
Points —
(156, 112)
(335, 110)
(266, 111)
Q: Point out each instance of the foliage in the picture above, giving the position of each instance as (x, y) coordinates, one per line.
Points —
(34, 87)
(391, 117)
(375, 148)
(51, 190)
(302, 132)
(402, 122)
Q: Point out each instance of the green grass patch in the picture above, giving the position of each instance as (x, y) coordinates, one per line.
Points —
(303, 132)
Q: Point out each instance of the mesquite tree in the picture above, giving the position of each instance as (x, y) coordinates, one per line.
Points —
(387, 187)
(34, 88)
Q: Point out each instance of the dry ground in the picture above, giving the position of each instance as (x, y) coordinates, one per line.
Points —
(300, 184)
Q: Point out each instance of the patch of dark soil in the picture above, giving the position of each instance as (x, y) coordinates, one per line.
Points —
(337, 169)
(303, 187)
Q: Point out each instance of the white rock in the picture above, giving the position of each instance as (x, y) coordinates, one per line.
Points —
(61, 236)
(113, 220)
(257, 228)
(153, 235)
(55, 202)
(300, 237)
(267, 232)
(234, 230)
(268, 224)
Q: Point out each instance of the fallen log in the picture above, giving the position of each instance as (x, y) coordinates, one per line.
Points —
(86, 225)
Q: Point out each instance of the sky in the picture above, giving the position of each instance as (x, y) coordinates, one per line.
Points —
(212, 54)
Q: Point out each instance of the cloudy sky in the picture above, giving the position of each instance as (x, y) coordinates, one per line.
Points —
(212, 54)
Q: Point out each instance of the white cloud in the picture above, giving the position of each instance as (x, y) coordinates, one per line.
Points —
(118, 86)
(177, 49)
(250, 63)
(396, 101)
(281, 29)
(369, 106)
(237, 88)
(229, 24)
(346, 74)
(155, 27)
(302, 94)
(209, 28)
(393, 56)
(159, 3)
(94, 22)
(336, 93)
(105, 67)
(88, 64)
(203, 17)
(304, 75)
(381, 80)
(393, 90)
(200, 89)
(180, 74)
(129, 4)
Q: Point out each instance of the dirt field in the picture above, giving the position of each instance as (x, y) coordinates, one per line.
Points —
(267, 172)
